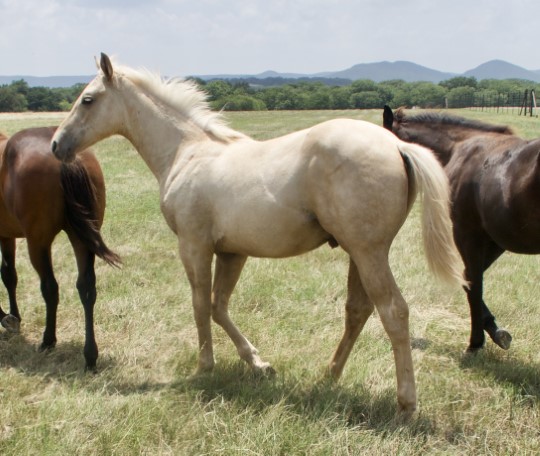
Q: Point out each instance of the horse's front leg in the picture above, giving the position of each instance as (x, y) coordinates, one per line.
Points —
(197, 262)
(11, 321)
(228, 269)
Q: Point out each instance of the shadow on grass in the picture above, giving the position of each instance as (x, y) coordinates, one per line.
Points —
(233, 382)
(523, 375)
(501, 366)
(355, 406)
(66, 360)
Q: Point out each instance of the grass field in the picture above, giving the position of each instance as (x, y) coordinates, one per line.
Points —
(144, 401)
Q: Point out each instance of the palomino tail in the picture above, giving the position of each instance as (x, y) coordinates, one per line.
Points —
(80, 201)
(429, 179)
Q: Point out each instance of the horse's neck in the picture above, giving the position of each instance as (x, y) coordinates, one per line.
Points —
(441, 139)
(157, 136)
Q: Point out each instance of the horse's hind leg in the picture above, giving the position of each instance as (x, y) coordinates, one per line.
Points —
(499, 335)
(8, 272)
(358, 309)
(478, 257)
(383, 292)
(40, 256)
(228, 269)
(86, 286)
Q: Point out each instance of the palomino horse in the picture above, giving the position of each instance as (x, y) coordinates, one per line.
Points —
(39, 198)
(344, 182)
(495, 182)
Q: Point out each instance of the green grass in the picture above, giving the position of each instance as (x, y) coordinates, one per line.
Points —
(145, 401)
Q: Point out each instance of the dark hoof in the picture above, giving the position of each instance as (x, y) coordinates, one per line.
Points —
(46, 347)
(11, 323)
(502, 338)
(264, 370)
(91, 369)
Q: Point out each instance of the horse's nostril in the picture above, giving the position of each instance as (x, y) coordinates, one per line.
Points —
(53, 146)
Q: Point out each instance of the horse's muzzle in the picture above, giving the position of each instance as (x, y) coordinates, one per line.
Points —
(62, 155)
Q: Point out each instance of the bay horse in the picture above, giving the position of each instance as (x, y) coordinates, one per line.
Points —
(39, 197)
(223, 194)
(495, 182)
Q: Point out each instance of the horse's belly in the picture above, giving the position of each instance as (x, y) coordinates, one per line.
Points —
(271, 238)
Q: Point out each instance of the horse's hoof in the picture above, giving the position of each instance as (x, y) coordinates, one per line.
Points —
(11, 323)
(503, 338)
(46, 347)
(265, 370)
(90, 369)
(404, 415)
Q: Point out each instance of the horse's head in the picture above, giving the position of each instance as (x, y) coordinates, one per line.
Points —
(95, 115)
(424, 129)
(393, 121)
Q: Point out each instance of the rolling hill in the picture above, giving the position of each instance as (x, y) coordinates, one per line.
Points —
(377, 71)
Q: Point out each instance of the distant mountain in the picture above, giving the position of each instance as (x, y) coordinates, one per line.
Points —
(377, 71)
(407, 71)
(384, 71)
(499, 69)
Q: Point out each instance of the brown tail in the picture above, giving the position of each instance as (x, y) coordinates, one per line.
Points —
(80, 201)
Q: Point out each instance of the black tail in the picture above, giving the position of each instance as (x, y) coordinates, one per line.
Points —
(80, 210)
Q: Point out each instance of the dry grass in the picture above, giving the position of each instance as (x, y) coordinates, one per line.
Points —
(144, 400)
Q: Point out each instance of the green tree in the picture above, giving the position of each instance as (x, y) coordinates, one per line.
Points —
(218, 90)
(427, 95)
(363, 85)
(459, 81)
(461, 97)
(43, 99)
(340, 97)
(11, 100)
(241, 103)
(366, 100)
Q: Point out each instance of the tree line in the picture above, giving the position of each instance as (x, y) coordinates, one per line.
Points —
(241, 95)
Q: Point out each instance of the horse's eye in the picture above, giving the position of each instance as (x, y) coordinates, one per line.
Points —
(87, 99)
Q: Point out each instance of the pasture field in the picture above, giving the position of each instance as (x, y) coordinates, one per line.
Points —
(144, 400)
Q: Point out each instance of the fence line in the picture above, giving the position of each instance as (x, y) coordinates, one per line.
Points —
(520, 103)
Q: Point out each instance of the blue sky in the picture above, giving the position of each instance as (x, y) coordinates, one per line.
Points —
(185, 37)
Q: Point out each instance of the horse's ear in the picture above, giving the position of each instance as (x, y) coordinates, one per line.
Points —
(388, 118)
(106, 66)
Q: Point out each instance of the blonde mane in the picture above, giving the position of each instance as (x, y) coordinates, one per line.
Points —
(185, 97)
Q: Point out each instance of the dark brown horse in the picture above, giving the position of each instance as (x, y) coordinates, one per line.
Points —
(39, 197)
(495, 182)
